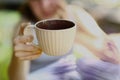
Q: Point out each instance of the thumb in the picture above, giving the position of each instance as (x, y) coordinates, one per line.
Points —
(22, 27)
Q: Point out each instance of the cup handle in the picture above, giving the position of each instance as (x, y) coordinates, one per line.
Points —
(29, 30)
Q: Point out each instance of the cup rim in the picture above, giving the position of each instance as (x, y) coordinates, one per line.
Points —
(74, 25)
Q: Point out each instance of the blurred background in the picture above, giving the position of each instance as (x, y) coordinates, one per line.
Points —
(106, 12)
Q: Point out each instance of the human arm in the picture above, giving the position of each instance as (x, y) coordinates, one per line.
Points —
(19, 66)
(93, 37)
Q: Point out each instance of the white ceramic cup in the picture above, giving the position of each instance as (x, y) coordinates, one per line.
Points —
(55, 36)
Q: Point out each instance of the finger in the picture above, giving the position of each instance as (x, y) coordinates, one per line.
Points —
(22, 27)
(30, 57)
(112, 51)
(109, 57)
(24, 47)
(25, 24)
(23, 39)
(111, 60)
(25, 54)
(112, 47)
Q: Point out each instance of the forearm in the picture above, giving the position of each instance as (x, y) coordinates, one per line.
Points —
(94, 38)
(104, 48)
(93, 44)
(88, 32)
(18, 69)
